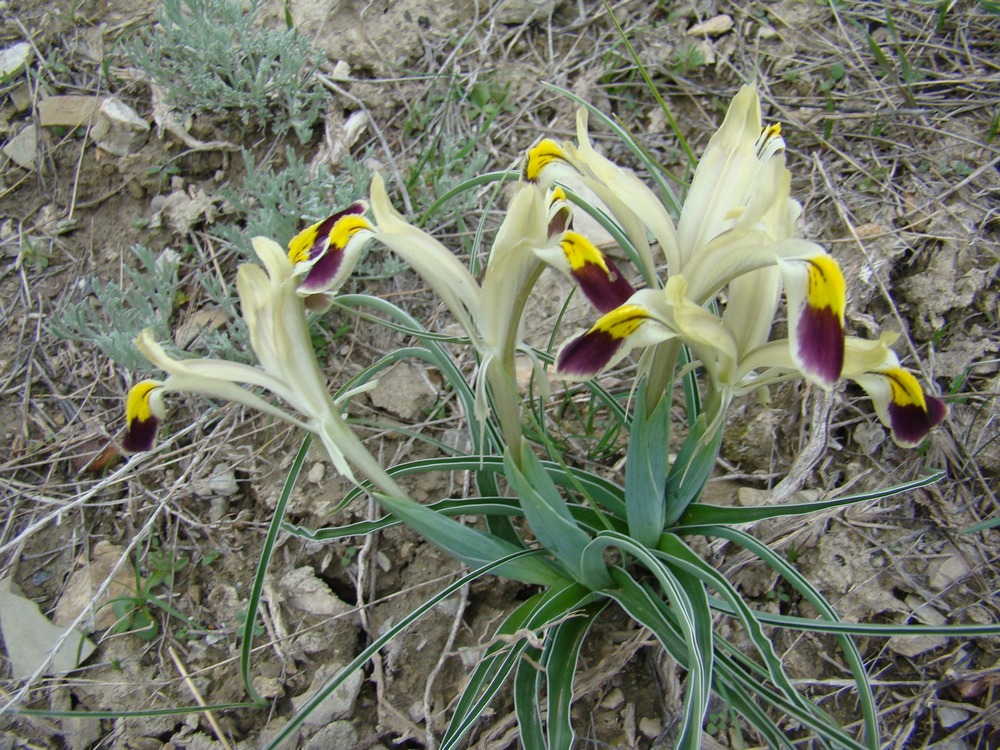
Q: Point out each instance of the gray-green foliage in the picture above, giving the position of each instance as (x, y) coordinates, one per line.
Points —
(110, 316)
(279, 202)
(213, 56)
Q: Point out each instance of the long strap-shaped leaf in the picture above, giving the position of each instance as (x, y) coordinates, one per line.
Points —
(674, 551)
(334, 682)
(549, 516)
(560, 659)
(692, 614)
(471, 546)
(814, 597)
(698, 513)
(642, 605)
(544, 608)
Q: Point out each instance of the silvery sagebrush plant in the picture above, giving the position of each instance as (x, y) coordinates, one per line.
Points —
(586, 541)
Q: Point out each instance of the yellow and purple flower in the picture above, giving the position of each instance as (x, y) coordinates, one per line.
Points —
(325, 254)
(735, 234)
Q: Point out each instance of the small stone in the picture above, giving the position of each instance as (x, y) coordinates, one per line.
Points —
(20, 97)
(337, 734)
(316, 473)
(713, 26)
(273, 729)
(119, 129)
(650, 727)
(950, 716)
(221, 484)
(613, 699)
(338, 704)
(67, 111)
(268, 687)
(304, 591)
(218, 508)
(341, 71)
(23, 147)
(13, 60)
(953, 569)
(405, 391)
(183, 210)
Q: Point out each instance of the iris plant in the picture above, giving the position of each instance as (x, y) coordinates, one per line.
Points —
(733, 245)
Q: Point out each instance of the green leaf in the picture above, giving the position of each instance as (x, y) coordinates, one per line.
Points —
(528, 699)
(542, 609)
(646, 470)
(692, 468)
(334, 682)
(549, 517)
(469, 545)
(801, 584)
(689, 604)
(560, 659)
(698, 513)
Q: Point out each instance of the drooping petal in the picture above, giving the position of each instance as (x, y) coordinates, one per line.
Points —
(900, 402)
(816, 295)
(637, 323)
(211, 370)
(598, 276)
(143, 413)
(902, 405)
(325, 253)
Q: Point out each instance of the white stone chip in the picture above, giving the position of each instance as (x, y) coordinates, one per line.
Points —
(14, 59)
(119, 129)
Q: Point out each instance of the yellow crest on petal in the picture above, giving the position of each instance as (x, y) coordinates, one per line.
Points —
(621, 322)
(301, 244)
(906, 391)
(545, 153)
(580, 251)
(137, 405)
(827, 289)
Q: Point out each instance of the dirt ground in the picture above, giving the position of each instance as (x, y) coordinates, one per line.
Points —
(891, 114)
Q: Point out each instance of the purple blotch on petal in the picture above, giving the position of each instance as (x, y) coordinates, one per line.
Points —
(140, 435)
(910, 423)
(588, 354)
(605, 291)
(821, 344)
(319, 277)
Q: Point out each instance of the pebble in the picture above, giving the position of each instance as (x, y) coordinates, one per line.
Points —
(950, 716)
(13, 60)
(67, 111)
(221, 484)
(613, 699)
(23, 147)
(316, 473)
(650, 727)
(338, 704)
(716, 26)
(119, 129)
(337, 734)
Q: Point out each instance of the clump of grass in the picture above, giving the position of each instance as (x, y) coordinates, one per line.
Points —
(213, 57)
